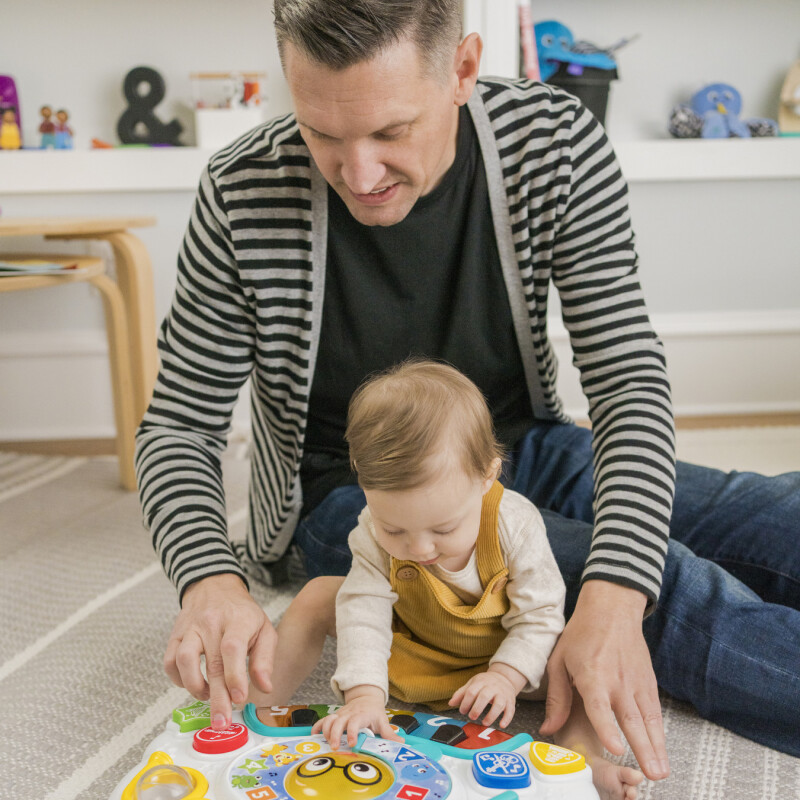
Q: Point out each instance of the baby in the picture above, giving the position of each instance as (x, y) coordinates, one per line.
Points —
(454, 598)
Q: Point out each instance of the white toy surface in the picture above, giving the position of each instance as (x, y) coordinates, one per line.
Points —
(440, 758)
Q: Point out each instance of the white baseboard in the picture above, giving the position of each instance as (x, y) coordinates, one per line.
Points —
(719, 363)
(57, 387)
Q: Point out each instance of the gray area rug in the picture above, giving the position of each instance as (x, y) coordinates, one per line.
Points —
(85, 613)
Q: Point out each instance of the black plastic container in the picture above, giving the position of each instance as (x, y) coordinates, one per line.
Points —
(591, 87)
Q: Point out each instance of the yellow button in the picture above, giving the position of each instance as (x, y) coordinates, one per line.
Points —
(407, 573)
(163, 760)
(550, 759)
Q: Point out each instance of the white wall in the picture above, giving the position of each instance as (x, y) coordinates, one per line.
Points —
(719, 259)
(682, 45)
(76, 55)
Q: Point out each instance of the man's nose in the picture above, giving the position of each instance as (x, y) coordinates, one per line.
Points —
(362, 169)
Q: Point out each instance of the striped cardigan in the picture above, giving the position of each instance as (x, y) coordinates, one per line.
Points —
(248, 302)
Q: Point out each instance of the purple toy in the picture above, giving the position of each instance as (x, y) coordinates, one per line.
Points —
(9, 98)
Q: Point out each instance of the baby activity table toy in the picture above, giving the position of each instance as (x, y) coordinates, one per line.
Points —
(439, 757)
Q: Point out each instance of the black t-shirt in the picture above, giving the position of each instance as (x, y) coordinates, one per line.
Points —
(430, 286)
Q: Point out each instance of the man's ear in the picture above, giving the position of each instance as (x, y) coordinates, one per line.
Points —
(466, 66)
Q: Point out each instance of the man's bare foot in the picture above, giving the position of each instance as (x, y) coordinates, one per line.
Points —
(614, 782)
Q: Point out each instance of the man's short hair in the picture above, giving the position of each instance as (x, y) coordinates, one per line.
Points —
(342, 33)
(399, 418)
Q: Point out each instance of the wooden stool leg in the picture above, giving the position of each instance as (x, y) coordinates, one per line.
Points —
(135, 279)
(121, 378)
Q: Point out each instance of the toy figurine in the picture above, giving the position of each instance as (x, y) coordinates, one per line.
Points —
(9, 130)
(63, 133)
(9, 101)
(47, 128)
(713, 113)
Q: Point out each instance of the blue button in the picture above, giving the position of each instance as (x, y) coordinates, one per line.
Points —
(499, 770)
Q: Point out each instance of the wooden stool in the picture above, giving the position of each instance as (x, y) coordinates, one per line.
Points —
(92, 270)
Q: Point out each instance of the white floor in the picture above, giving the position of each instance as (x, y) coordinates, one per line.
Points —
(769, 450)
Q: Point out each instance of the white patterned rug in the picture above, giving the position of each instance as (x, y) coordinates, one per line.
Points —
(85, 612)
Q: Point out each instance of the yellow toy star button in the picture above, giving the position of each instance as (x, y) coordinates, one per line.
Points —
(550, 759)
(271, 751)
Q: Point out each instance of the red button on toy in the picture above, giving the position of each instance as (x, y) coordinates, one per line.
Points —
(213, 742)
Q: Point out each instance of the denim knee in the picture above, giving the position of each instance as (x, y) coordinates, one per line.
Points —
(322, 534)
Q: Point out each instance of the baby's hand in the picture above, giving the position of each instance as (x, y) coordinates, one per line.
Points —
(487, 689)
(362, 711)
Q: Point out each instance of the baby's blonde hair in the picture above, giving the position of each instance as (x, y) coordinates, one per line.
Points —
(400, 417)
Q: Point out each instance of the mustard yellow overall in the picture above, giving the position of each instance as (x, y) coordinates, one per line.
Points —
(438, 641)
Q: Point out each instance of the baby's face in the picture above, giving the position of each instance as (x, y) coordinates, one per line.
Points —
(436, 523)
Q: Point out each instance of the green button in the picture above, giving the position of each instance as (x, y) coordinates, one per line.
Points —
(193, 717)
(324, 710)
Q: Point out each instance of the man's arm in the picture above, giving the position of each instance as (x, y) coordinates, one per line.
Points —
(623, 375)
(622, 368)
(206, 347)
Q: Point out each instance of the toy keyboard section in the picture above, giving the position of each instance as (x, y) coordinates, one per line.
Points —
(439, 759)
(456, 738)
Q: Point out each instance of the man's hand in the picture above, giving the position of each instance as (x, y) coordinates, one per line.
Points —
(219, 619)
(602, 652)
(497, 688)
(364, 708)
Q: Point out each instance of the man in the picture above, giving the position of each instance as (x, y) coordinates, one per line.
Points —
(407, 209)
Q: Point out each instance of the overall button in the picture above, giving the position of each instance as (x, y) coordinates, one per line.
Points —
(407, 573)
(500, 585)
(498, 770)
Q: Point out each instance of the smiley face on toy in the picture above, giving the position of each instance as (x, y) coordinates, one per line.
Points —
(339, 775)
(412, 772)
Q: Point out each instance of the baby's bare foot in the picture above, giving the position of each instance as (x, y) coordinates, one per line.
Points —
(614, 782)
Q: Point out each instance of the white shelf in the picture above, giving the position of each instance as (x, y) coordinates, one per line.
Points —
(710, 160)
(149, 169)
(178, 169)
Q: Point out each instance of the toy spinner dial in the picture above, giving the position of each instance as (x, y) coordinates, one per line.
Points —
(299, 768)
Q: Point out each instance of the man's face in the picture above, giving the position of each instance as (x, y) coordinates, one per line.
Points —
(382, 132)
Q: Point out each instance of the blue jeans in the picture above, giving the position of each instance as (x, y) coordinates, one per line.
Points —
(725, 635)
